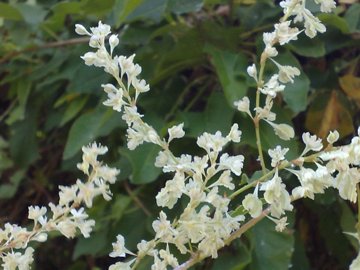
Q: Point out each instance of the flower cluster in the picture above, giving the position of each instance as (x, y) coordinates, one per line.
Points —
(207, 223)
(66, 217)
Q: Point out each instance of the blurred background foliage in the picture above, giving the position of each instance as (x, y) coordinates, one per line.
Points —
(194, 54)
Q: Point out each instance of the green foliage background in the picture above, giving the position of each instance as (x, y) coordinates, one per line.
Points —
(194, 54)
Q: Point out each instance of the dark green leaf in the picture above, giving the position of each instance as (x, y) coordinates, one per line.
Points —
(90, 126)
(142, 161)
(184, 6)
(230, 69)
(272, 250)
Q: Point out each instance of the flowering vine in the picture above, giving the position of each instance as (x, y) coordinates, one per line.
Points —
(208, 222)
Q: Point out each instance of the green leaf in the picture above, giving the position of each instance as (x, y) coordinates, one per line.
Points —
(23, 143)
(142, 161)
(73, 109)
(9, 12)
(92, 245)
(148, 10)
(335, 21)
(352, 17)
(217, 115)
(122, 8)
(90, 126)
(272, 250)
(305, 46)
(96, 7)
(32, 14)
(348, 223)
(8, 190)
(230, 262)
(230, 69)
(184, 6)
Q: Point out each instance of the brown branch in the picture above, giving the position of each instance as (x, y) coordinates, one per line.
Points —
(136, 199)
(55, 44)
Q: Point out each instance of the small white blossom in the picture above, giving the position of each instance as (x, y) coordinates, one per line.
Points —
(312, 143)
(212, 142)
(252, 204)
(286, 73)
(234, 134)
(272, 87)
(333, 137)
(233, 163)
(284, 33)
(119, 249)
(176, 132)
(277, 154)
(284, 131)
(243, 105)
(251, 70)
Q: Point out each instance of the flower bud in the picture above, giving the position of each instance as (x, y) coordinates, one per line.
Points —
(113, 41)
(332, 137)
(81, 30)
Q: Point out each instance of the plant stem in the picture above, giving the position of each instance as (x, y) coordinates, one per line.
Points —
(256, 118)
(358, 216)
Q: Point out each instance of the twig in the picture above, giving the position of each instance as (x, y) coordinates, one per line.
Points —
(136, 199)
(56, 44)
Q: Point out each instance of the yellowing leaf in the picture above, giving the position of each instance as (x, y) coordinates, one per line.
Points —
(328, 113)
(351, 86)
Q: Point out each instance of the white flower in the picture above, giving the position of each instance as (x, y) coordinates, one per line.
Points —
(140, 86)
(67, 194)
(286, 73)
(119, 249)
(169, 195)
(243, 105)
(252, 204)
(90, 58)
(224, 180)
(333, 137)
(312, 143)
(269, 40)
(276, 195)
(212, 142)
(126, 64)
(146, 248)
(251, 70)
(277, 154)
(281, 224)
(122, 265)
(346, 182)
(176, 132)
(168, 258)
(284, 33)
(284, 131)
(115, 97)
(163, 228)
(312, 24)
(12, 261)
(101, 29)
(272, 87)
(326, 5)
(36, 213)
(234, 134)
(233, 163)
